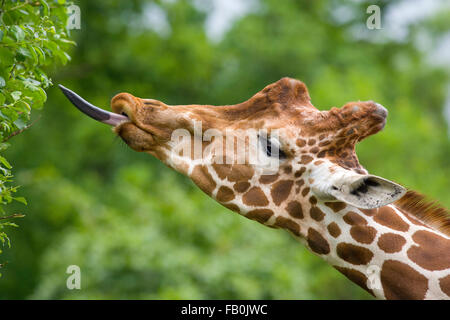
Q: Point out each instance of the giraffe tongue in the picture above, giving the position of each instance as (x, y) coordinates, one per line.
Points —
(92, 111)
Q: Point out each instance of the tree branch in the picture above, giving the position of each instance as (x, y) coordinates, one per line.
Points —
(15, 133)
(15, 215)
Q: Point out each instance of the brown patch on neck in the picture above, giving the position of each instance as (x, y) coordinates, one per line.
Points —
(401, 282)
(429, 212)
(203, 179)
(357, 277)
(336, 206)
(280, 191)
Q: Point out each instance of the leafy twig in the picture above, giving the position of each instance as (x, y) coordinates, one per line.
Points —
(15, 133)
(19, 6)
(15, 215)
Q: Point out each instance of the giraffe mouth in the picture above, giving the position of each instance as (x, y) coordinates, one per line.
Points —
(92, 111)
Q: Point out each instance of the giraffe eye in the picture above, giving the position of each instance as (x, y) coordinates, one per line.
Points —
(272, 147)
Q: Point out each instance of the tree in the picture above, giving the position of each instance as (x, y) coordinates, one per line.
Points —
(33, 36)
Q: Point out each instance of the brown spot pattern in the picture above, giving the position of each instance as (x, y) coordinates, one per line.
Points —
(336, 206)
(334, 229)
(288, 224)
(301, 143)
(268, 178)
(241, 186)
(300, 182)
(357, 277)
(389, 218)
(232, 207)
(287, 169)
(391, 242)
(255, 197)
(432, 251)
(240, 172)
(354, 254)
(352, 218)
(306, 159)
(222, 170)
(203, 179)
(260, 215)
(369, 212)
(299, 173)
(280, 191)
(401, 282)
(237, 172)
(316, 213)
(317, 243)
(363, 234)
(294, 208)
(224, 194)
(305, 191)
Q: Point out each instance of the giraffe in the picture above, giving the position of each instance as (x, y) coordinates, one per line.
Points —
(392, 242)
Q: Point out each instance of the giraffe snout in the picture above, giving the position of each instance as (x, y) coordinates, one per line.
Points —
(380, 110)
(125, 104)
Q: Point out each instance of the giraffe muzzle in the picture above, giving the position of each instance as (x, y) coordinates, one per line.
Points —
(92, 111)
(381, 111)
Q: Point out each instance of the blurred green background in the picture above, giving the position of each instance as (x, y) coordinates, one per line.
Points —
(141, 231)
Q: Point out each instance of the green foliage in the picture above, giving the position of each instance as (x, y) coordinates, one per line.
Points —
(139, 230)
(33, 36)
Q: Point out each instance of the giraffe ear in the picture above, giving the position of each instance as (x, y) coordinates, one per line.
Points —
(366, 191)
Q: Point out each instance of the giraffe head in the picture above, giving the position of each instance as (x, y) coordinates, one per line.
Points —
(310, 153)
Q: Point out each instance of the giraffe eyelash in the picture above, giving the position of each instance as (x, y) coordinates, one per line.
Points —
(272, 147)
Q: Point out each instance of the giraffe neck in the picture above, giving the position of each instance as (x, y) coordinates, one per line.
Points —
(385, 251)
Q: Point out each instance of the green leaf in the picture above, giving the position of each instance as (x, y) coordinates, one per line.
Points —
(2, 99)
(6, 56)
(40, 53)
(22, 106)
(5, 162)
(34, 55)
(16, 95)
(20, 124)
(68, 41)
(17, 33)
(2, 82)
(45, 8)
(38, 98)
(23, 53)
(21, 199)
(4, 146)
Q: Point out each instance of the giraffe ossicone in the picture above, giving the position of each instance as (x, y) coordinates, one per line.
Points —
(391, 242)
